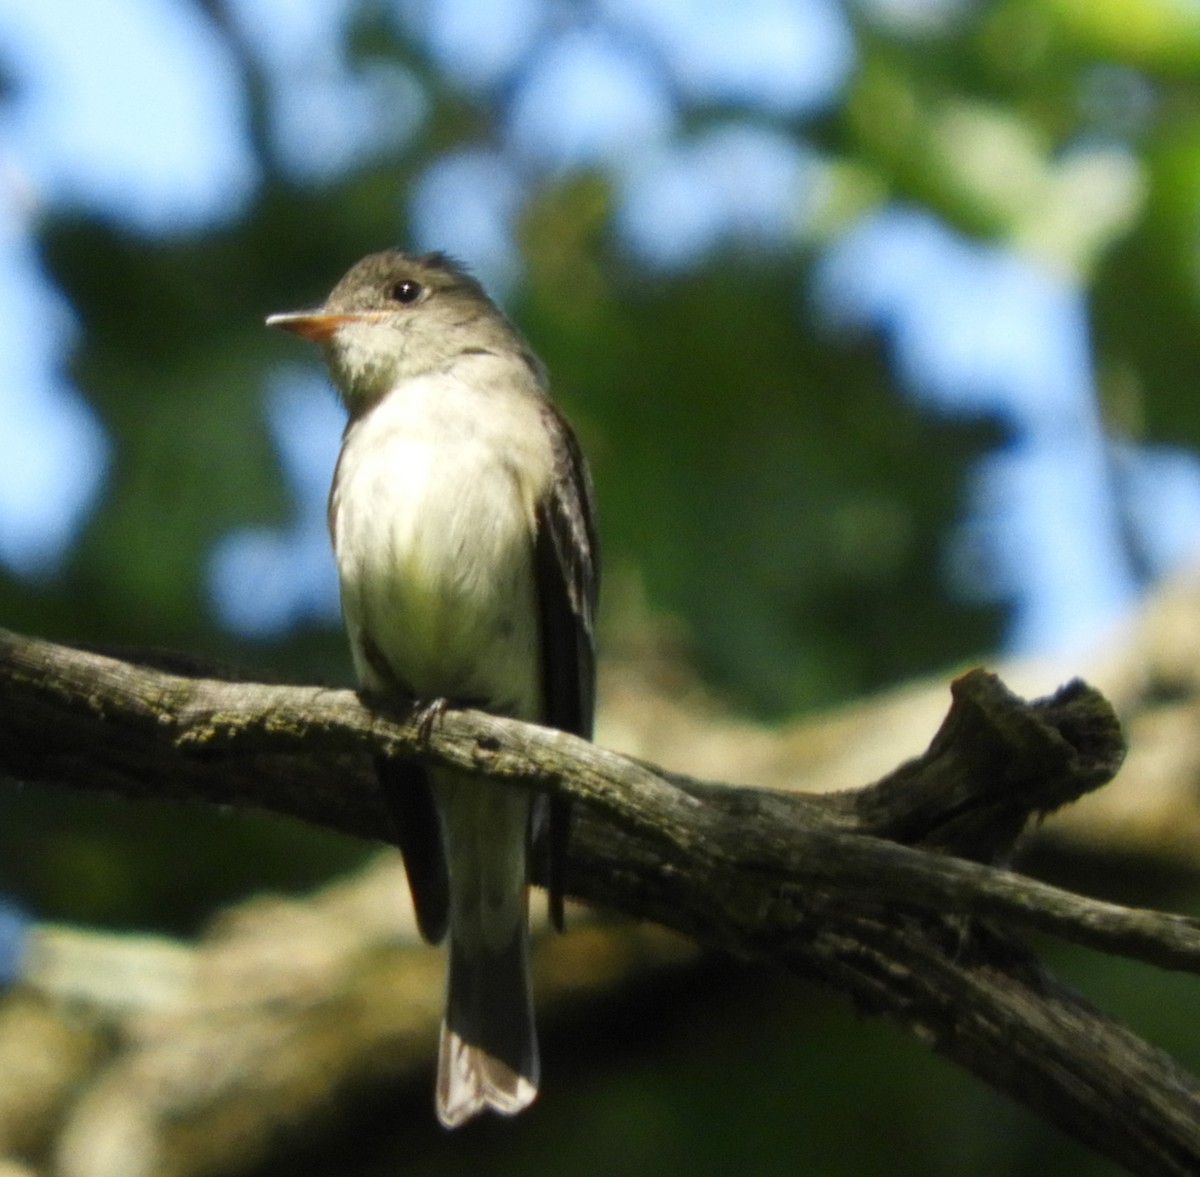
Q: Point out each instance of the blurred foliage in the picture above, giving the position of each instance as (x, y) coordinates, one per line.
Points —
(759, 480)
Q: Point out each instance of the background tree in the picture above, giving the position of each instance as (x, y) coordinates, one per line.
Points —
(876, 320)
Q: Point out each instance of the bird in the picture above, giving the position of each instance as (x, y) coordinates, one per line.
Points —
(462, 521)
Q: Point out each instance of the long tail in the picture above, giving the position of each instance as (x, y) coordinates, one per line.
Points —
(488, 1053)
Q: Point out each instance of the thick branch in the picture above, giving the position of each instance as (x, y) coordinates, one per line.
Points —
(841, 887)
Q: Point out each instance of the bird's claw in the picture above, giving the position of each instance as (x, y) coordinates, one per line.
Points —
(426, 715)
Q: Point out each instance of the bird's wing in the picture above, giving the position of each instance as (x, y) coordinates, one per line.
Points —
(408, 800)
(567, 572)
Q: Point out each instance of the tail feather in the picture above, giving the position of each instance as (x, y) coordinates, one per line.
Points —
(470, 1080)
(488, 1054)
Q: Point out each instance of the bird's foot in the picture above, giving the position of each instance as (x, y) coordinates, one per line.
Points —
(426, 715)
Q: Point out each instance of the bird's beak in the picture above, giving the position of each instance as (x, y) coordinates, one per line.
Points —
(318, 325)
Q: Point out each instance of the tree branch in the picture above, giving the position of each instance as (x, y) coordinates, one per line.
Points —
(880, 892)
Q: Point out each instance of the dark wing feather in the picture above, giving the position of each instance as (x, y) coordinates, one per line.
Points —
(412, 813)
(406, 791)
(408, 799)
(567, 569)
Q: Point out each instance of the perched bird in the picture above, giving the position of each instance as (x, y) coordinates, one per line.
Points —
(462, 523)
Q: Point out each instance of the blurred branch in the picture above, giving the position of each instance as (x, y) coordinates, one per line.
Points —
(881, 892)
(1149, 670)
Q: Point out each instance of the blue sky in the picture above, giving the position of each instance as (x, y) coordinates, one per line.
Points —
(970, 328)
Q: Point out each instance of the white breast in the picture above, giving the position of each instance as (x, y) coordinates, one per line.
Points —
(433, 522)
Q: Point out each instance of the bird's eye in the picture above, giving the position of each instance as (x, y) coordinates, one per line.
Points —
(406, 291)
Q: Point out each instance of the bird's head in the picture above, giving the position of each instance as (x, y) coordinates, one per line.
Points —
(395, 316)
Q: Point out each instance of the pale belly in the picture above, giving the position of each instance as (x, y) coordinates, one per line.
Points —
(434, 552)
